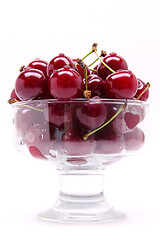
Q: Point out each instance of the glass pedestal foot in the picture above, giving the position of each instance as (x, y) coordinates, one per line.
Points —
(81, 200)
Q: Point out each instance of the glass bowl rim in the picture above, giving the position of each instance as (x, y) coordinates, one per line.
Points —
(82, 100)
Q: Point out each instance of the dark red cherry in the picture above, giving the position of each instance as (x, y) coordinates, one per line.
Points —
(30, 84)
(40, 65)
(121, 84)
(95, 84)
(91, 114)
(80, 70)
(66, 83)
(114, 61)
(59, 62)
(140, 89)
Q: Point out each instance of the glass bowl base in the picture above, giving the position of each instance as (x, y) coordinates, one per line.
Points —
(81, 209)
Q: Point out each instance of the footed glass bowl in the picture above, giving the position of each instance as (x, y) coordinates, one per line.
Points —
(80, 137)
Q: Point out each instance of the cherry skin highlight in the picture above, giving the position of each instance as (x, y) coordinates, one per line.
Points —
(66, 83)
(141, 87)
(121, 84)
(30, 84)
(95, 84)
(39, 64)
(59, 62)
(114, 61)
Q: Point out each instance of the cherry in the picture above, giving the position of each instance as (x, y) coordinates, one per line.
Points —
(134, 139)
(39, 64)
(66, 83)
(95, 84)
(59, 62)
(121, 84)
(56, 114)
(141, 87)
(80, 70)
(114, 61)
(73, 143)
(91, 114)
(109, 142)
(30, 84)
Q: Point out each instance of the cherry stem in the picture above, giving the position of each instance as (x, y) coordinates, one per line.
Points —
(10, 101)
(93, 62)
(93, 70)
(147, 86)
(106, 123)
(103, 54)
(103, 62)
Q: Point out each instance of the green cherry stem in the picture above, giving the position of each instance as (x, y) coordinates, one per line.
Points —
(93, 70)
(106, 123)
(146, 88)
(103, 62)
(93, 62)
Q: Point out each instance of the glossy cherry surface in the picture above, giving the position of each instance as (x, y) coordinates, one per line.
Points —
(66, 83)
(141, 87)
(39, 64)
(30, 84)
(95, 84)
(114, 61)
(59, 62)
(121, 84)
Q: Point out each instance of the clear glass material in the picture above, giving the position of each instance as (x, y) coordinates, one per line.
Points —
(74, 136)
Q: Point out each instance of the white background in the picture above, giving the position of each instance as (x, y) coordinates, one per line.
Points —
(31, 29)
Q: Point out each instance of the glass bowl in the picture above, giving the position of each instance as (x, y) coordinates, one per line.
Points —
(81, 137)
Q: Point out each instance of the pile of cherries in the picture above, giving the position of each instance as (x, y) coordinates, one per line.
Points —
(89, 125)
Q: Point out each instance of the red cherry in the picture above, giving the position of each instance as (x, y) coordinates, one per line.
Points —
(114, 61)
(39, 64)
(140, 89)
(59, 62)
(30, 84)
(91, 114)
(121, 84)
(66, 83)
(95, 84)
